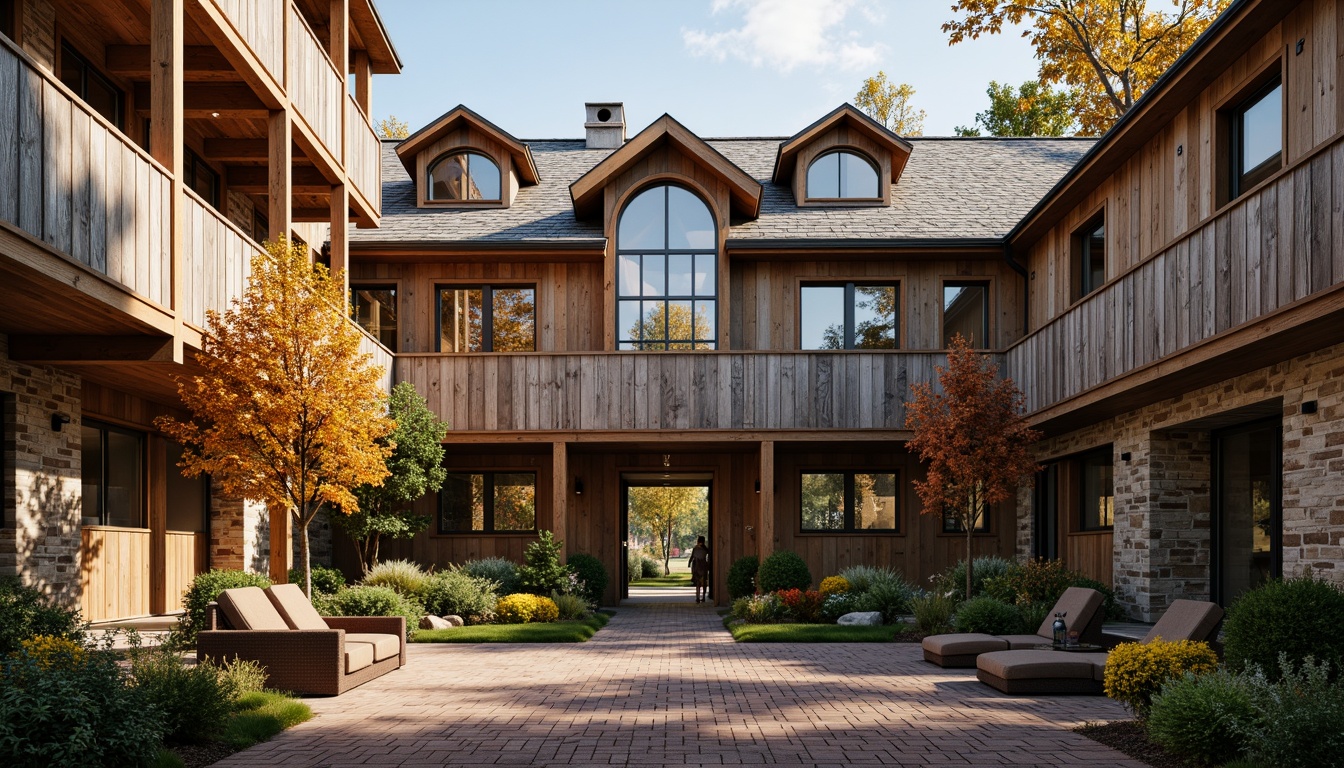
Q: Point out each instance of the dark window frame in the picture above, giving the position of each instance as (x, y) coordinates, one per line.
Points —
(987, 306)
(1085, 461)
(87, 71)
(488, 518)
(104, 430)
(469, 152)
(850, 293)
(396, 309)
(192, 164)
(849, 504)
(1241, 178)
(877, 172)
(1083, 239)
(487, 313)
(952, 523)
(9, 19)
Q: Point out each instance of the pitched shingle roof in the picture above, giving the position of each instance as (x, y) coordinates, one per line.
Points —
(953, 188)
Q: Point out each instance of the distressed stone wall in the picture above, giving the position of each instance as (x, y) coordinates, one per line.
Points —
(239, 539)
(319, 542)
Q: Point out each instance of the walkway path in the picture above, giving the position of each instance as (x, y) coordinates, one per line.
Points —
(665, 685)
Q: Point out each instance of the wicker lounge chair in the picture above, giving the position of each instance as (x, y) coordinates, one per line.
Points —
(1082, 613)
(301, 651)
(1032, 672)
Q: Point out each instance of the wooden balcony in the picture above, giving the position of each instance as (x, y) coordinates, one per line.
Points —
(381, 356)
(217, 261)
(364, 161)
(315, 88)
(600, 391)
(1258, 281)
(261, 25)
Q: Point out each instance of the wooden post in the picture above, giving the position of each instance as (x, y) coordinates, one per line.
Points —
(364, 83)
(166, 139)
(282, 545)
(338, 38)
(281, 159)
(560, 493)
(340, 240)
(766, 538)
(158, 524)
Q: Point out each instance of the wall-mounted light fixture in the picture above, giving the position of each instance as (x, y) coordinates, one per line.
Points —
(58, 420)
(758, 486)
(1309, 407)
(578, 486)
(1301, 42)
(667, 459)
(1124, 456)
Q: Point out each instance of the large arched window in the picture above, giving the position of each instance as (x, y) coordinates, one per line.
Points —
(842, 175)
(463, 176)
(667, 255)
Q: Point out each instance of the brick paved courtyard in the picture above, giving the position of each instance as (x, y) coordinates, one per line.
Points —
(665, 685)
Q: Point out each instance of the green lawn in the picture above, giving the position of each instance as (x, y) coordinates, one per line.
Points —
(259, 716)
(672, 580)
(554, 632)
(813, 633)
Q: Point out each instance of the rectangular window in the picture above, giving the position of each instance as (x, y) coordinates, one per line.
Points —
(374, 307)
(666, 301)
(91, 86)
(188, 497)
(202, 179)
(1256, 150)
(952, 522)
(1089, 264)
(113, 475)
(488, 502)
(849, 316)
(966, 312)
(261, 226)
(849, 502)
(1098, 489)
(7, 18)
(487, 319)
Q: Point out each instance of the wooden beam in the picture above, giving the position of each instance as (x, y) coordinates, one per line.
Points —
(766, 535)
(338, 37)
(58, 350)
(560, 493)
(313, 216)
(167, 137)
(255, 179)
(364, 83)
(278, 183)
(199, 63)
(340, 239)
(157, 485)
(216, 26)
(210, 100)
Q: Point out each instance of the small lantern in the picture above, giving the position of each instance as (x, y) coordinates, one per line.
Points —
(1060, 628)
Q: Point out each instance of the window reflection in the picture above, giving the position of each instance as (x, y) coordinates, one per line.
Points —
(488, 502)
(487, 319)
(464, 176)
(966, 312)
(849, 316)
(842, 175)
(375, 309)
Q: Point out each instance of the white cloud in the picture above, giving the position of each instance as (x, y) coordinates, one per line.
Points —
(785, 34)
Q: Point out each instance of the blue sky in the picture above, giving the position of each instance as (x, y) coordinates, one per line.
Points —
(721, 67)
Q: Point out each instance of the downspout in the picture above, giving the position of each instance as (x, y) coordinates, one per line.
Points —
(1026, 285)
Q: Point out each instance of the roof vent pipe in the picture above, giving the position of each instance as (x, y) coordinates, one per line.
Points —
(605, 124)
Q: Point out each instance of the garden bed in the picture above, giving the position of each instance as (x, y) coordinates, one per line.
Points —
(260, 716)
(820, 633)
(548, 632)
(1130, 737)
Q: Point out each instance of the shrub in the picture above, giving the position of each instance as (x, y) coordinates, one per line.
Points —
(933, 612)
(593, 574)
(326, 580)
(889, 595)
(497, 569)
(406, 577)
(74, 714)
(546, 610)
(25, 613)
(1035, 581)
(783, 570)
(634, 565)
(542, 571)
(759, 609)
(194, 700)
(985, 568)
(571, 607)
(370, 601)
(1301, 722)
(1204, 719)
(861, 577)
(1299, 617)
(802, 605)
(742, 576)
(523, 608)
(48, 650)
(837, 605)
(457, 592)
(649, 568)
(990, 616)
(202, 592)
(834, 585)
(1135, 672)
(1111, 609)
(1033, 615)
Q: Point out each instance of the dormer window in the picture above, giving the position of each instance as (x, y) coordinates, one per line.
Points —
(456, 176)
(842, 175)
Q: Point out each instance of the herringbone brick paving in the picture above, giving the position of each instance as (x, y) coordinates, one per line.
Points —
(666, 685)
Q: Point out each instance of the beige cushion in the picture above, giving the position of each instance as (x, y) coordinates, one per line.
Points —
(249, 608)
(357, 656)
(1038, 665)
(294, 607)
(1024, 641)
(1186, 620)
(384, 646)
(963, 644)
(1079, 605)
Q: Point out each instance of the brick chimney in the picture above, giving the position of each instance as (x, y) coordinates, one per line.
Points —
(605, 125)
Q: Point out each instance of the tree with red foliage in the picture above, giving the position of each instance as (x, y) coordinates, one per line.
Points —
(973, 439)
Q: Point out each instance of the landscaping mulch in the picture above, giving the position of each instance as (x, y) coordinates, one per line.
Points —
(1130, 737)
(201, 755)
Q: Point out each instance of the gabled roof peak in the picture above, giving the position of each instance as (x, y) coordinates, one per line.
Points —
(415, 143)
(852, 117)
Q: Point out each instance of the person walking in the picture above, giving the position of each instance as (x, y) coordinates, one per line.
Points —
(699, 563)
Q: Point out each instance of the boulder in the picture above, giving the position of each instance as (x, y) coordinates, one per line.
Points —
(434, 622)
(861, 619)
(456, 621)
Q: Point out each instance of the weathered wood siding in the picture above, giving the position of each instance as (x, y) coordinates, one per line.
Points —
(217, 260)
(114, 575)
(379, 356)
(669, 390)
(315, 88)
(364, 163)
(261, 25)
(186, 557)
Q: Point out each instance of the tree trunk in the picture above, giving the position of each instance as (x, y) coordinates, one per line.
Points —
(373, 556)
(970, 531)
(667, 549)
(307, 563)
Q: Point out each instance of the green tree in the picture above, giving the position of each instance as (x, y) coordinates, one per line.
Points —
(889, 104)
(667, 513)
(415, 468)
(875, 320)
(670, 326)
(1033, 109)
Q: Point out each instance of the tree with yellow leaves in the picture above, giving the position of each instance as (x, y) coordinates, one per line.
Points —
(392, 128)
(287, 410)
(889, 104)
(1108, 51)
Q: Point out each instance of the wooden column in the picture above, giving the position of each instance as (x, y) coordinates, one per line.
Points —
(157, 484)
(281, 160)
(340, 240)
(560, 492)
(338, 39)
(166, 139)
(364, 83)
(282, 546)
(766, 538)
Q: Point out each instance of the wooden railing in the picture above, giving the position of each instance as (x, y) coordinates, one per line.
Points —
(315, 88)
(261, 25)
(364, 162)
(217, 260)
(382, 356)
(70, 179)
(185, 557)
(113, 572)
(1265, 251)
(669, 390)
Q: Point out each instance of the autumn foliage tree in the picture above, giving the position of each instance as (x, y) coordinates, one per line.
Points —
(972, 438)
(392, 128)
(889, 104)
(287, 410)
(668, 512)
(1107, 51)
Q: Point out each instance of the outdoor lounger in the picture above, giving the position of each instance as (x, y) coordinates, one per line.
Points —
(302, 651)
(1082, 613)
(1048, 671)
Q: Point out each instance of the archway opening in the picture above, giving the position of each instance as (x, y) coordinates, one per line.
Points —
(662, 514)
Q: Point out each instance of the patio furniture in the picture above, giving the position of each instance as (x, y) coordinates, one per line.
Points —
(301, 651)
(1082, 614)
(1050, 671)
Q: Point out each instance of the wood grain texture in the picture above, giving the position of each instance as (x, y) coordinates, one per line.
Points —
(114, 577)
(315, 88)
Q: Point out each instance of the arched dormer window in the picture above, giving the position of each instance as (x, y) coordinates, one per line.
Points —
(667, 259)
(843, 175)
(463, 175)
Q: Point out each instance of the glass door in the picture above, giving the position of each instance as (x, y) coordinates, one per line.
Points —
(1248, 515)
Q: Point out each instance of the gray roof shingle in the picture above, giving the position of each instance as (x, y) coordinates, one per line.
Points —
(952, 188)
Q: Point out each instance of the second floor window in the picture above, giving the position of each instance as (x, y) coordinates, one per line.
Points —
(91, 86)
(966, 311)
(464, 176)
(1089, 258)
(1257, 137)
(488, 502)
(374, 307)
(667, 253)
(842, 175)
(202, 179)
(484, 318)
(849, 501)
(849, 316)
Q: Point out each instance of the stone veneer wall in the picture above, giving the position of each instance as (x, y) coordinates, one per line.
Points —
(239, 539)
(42, 498)
(1162, 494)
